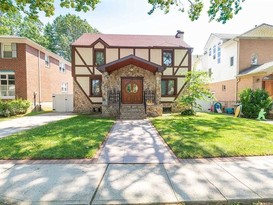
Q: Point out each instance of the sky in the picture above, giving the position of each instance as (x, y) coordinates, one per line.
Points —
(131, 17)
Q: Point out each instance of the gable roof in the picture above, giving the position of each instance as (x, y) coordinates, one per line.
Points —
(264, 68)
(131, 59)
(122, 40)
(222, 36)
(261, 31)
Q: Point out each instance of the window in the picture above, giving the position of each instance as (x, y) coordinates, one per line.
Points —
(95, 87)
(99, 57)
(210, 72)
(168, 87)
(231, 61)
(218, 54)
(62, 67)
(167, 57)
(7, 85)
(64, 87)
(47, 63)
(214, 52)
(9, 51)
(254, 59)
(223, 87)
(209, 51)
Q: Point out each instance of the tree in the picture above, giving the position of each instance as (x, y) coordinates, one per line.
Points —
(196, 89)
(220, 10)
(34, 30)
(9, 24)
(63, 31)
(253, 101)
(32, 8)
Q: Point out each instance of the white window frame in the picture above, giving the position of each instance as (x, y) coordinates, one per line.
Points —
(7, 73)
(214, 52)
(231, 61)
(218, 54)
(64, 87)
(62, 67)
(13, 50)
(254, 59)
(47, 61)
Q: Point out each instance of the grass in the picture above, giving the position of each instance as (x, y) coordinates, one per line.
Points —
(77, 137)
(215, 135)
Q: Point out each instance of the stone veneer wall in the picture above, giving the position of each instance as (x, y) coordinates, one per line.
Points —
(151, 82)
(81, 103)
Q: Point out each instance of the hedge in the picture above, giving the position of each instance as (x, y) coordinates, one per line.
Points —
(13, 107)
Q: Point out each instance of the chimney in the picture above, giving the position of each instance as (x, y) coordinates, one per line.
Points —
(179, 34)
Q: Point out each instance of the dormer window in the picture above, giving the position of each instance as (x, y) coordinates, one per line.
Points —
(167, 57)
(254, 59)
(99, 57)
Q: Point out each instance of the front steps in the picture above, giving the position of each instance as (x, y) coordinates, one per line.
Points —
(132, 112)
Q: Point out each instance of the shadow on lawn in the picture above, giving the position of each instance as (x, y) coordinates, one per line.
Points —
(201, 135)
(78, 137)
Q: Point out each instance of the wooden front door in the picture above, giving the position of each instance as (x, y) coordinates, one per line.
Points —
(132, 90)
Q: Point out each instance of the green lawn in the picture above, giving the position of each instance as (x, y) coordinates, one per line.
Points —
(215, 135)
(77, 137)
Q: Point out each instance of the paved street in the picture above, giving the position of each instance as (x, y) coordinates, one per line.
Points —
(135, 141)
(9, 127)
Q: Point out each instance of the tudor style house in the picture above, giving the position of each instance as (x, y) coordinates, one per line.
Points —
(239, 61)
(31, 72)
(130, 76)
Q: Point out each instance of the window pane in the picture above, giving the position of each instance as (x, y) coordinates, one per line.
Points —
(11, 76)
(99, 57)
(167, 58)
(7, 48)
(163, 87)
(3, 76)
(7, 54)
(3, 93)
(171, 87)
(96, 87)
(4, 82)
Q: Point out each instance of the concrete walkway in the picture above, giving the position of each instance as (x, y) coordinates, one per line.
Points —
(135, 141)
(9, 127)
(211, 181)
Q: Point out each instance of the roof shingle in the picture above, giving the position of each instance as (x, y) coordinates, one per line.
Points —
(122, 40)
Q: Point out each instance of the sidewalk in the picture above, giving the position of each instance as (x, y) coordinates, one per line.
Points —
(135, 141)
(203, 181)
(9, 127)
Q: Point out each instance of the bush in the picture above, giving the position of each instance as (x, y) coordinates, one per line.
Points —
(13, 107)
(253, 101)
(188, 112)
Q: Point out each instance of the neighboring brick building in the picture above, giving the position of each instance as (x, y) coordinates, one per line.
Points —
(236, 62)
(31, 72)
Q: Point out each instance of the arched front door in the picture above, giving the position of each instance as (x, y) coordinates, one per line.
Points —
(132, 90)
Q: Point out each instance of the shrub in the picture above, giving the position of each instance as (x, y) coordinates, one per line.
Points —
(253, 101)
(13, 107)
(188, 112)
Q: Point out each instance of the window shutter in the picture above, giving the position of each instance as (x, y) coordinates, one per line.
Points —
(14, 50)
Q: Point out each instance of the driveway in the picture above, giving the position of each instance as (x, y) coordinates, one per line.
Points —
(9, 127)
(135, 141)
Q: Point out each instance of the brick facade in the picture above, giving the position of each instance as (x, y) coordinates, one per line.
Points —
(262, 47)
(31, 73)
(224, 90)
